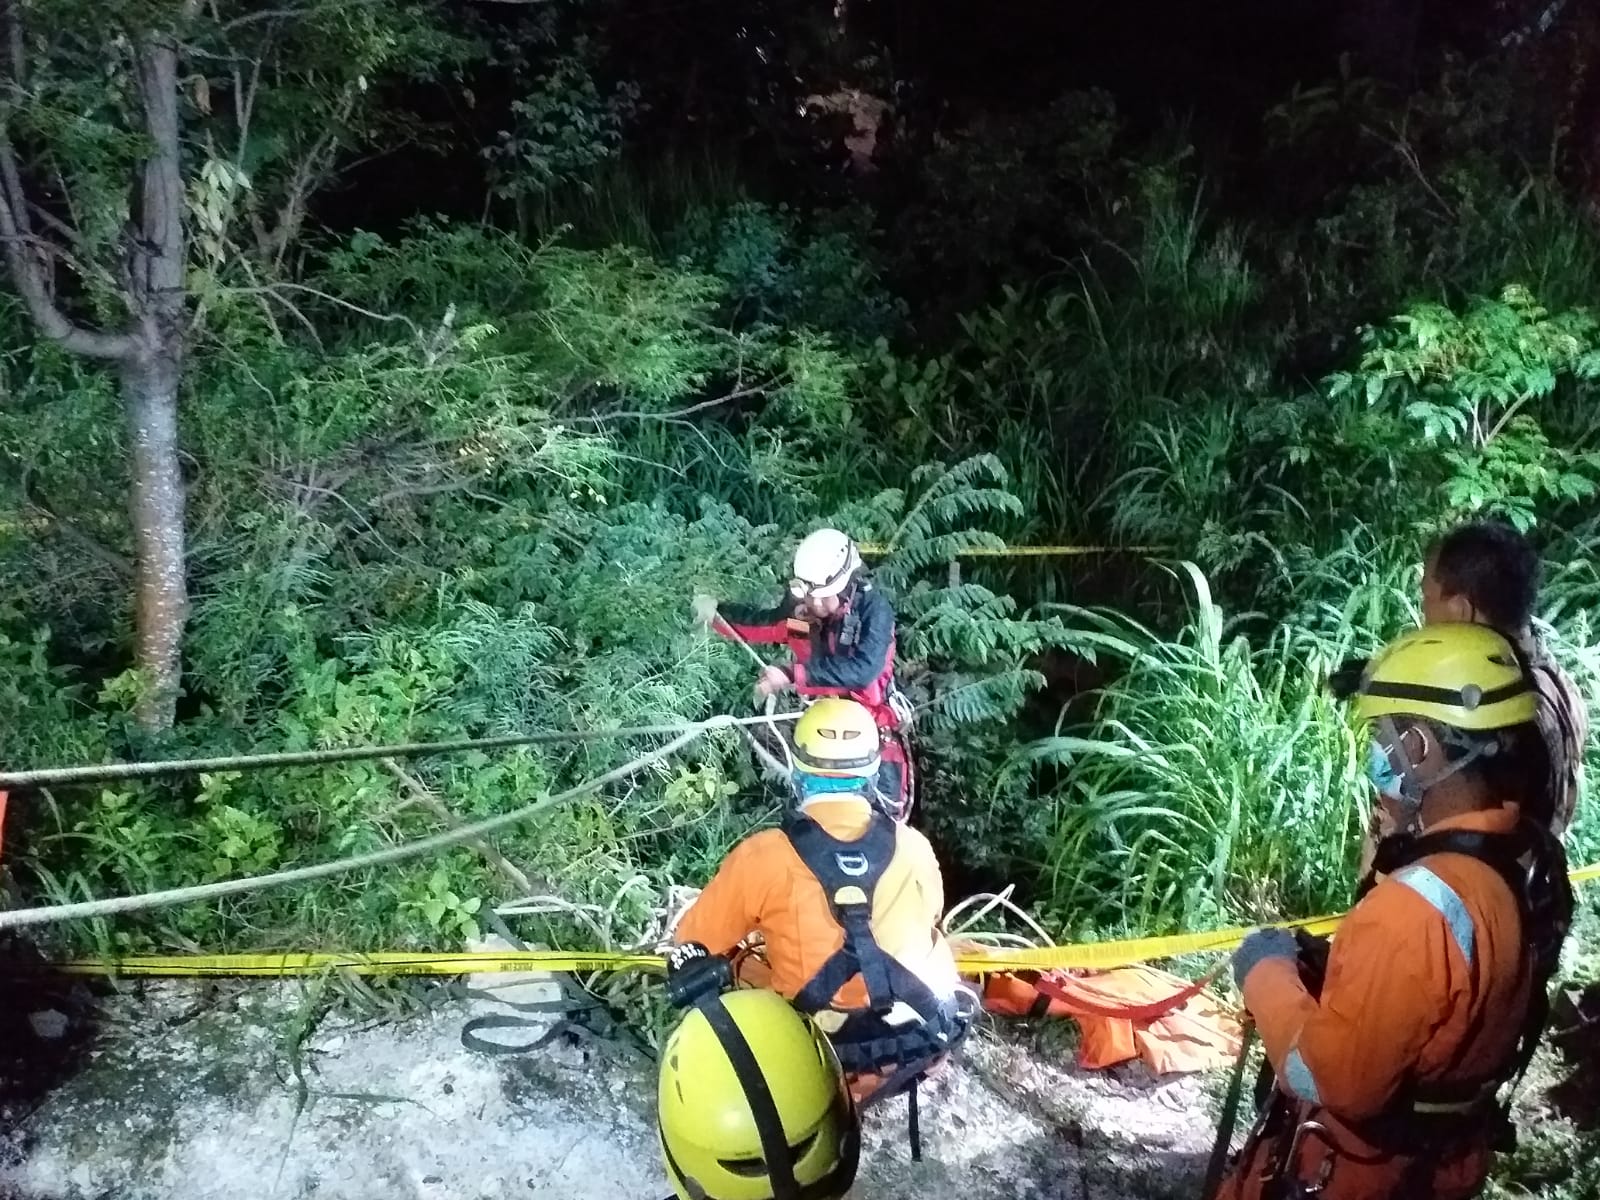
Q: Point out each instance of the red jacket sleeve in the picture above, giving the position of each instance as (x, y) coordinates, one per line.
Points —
(763, 626)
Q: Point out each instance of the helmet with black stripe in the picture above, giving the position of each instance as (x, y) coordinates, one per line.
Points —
(752, 1104)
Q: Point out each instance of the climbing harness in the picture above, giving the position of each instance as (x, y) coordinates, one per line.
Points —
(1427, 1119)
(905, 1028)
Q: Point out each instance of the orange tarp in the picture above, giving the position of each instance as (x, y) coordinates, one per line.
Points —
(1131, 1012)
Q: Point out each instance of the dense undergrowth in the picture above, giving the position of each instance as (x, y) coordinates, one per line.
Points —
(470, 488)
(454, 480)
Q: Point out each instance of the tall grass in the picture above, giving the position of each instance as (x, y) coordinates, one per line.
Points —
(638, 201)
(1216, 779)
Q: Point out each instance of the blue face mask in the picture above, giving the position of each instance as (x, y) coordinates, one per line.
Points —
(827, 785)
(1382, 773)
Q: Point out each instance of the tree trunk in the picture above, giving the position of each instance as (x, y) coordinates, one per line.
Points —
(150, 382)
(156, 508)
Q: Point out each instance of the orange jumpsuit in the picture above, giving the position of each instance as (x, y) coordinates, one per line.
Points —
(763, 887)
(1428, 983)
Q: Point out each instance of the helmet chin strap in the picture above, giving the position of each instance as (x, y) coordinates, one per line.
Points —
(1414, 783)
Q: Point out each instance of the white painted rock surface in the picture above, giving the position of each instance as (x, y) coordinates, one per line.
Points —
(213, 1108)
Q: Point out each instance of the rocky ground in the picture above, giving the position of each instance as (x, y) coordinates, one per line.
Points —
(188, 1091)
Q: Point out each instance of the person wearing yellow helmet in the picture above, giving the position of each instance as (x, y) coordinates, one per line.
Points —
(1389, 1067)
(847, 904)
(1486, 573)
(752, 1104)
(840, 631)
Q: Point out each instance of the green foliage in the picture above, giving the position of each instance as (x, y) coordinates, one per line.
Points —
(1214, 779)
(565, 123)
(1474, 383)
(780, 272)
(447, 481)
(1445, 417)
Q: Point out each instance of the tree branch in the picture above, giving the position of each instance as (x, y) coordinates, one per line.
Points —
(28, 273)
(407, 491)
(27, 266)
(61, 227)
(425, 796)
(14, 46)
(331, 299)
(70, 532)
(266, 14)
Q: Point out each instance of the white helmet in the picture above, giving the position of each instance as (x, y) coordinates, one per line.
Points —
(824, 564)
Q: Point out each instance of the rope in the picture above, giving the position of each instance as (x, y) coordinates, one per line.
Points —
(50, 914)
(109, 772)
(779, 770)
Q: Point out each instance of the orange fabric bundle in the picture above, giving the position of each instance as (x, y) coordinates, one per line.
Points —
(1131, 1012)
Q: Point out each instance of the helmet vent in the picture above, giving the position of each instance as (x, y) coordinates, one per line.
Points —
(756, 1168)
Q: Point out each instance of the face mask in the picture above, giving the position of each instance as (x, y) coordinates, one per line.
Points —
(1382, 773)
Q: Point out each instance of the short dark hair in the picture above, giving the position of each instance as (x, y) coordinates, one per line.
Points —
(1494, 567)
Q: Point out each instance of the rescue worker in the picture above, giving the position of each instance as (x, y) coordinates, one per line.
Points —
(1434, 994)
(1487, 573)
(847, 904)
(752, 1105)
(840, 631)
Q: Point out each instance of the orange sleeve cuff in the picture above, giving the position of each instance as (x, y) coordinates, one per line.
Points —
(1280, 1005)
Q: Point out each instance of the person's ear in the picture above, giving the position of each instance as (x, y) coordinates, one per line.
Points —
(1421, 747)
(1459, 608)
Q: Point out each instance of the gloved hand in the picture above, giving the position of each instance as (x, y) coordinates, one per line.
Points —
(1262, 944)
(1312, 954)
(773, 680)
(695, 974)
(704, 608)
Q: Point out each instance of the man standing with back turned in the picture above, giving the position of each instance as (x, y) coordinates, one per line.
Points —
(1487, 573)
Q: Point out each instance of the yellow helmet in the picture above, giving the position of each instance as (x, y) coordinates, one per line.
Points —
(1461, 675)
(752, 1105)
(838, 738)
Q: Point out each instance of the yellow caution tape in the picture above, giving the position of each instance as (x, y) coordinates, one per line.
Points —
(1087, 955)
(1104, 956)
(877, 549)
(1097, 956)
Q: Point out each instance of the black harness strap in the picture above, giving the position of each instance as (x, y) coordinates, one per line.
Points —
(764, 1110)
(849, 873)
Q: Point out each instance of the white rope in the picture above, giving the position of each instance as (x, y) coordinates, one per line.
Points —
(81, 910)
(990, 902)
(116, 771)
